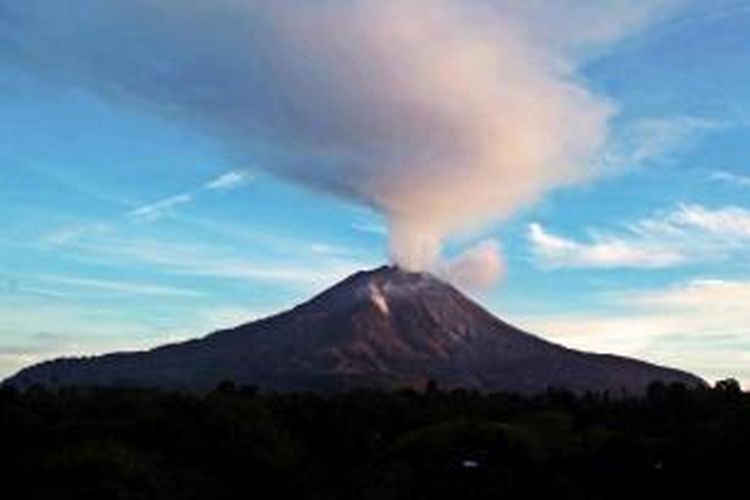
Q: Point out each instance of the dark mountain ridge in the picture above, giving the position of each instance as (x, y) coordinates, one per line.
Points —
(385, 328)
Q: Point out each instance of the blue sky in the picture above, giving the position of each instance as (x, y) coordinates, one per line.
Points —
(126, 229)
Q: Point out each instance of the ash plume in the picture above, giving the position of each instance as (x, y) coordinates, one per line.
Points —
(442, 115)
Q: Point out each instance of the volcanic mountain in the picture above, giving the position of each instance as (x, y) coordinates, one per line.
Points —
(384, 328)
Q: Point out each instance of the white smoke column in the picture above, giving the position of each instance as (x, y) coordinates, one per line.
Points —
(477, 268)
(443, 115)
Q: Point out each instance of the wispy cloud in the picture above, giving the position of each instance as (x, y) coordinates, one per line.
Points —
(123, 287)
(33, 331)
(38, 291)
(653, 140)
(306, 271)
(230, 316)
(698, 324)
(70, 233)
(607, 252)
(330, 250)
(689, 233)
(730, 297)
(229, 180)
(167, 206)
(730, 222)
(731, 178)
(370, 228)
(155, 211)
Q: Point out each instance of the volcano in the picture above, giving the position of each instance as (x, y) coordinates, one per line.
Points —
(386, 328)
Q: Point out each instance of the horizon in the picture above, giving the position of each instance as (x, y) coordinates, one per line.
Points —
(381, 301)
(145, 203)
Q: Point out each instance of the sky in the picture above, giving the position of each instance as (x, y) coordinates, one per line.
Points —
(156, 185)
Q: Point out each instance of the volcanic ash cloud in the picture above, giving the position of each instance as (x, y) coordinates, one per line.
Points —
(441, 115)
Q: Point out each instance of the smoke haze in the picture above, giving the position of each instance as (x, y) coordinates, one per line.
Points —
(441, 115)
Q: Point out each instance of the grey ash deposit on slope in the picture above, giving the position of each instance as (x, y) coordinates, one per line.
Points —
(384, 328)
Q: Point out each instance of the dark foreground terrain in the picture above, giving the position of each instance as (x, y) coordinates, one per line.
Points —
(237, 443)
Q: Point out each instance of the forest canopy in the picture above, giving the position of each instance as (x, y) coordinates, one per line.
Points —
(236, 442)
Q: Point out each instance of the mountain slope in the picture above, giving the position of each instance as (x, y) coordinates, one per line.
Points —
(383, 328)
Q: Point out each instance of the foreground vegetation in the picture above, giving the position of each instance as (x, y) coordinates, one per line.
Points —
(238, 443)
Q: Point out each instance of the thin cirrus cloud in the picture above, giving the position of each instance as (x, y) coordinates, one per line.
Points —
(220, 263)
(700, 324)
(119, 286)
(555, 251)
(34, 331)
(370, 228)
(152, 212)
(690, 233)
(159, 209)
(731, 177)
(228, 181)
(653, 140)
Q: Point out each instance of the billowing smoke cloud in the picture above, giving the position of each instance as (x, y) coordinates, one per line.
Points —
(442, 115)
(477, 268)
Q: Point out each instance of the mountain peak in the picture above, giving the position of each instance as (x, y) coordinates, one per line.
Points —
(380, 286)
(393, 277)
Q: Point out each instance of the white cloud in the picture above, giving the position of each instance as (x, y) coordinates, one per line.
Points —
(278, 273)
(230, 316)
(41, 292)
(71, 233)
(728, 298)
(306, 271)
(328, 249)
(164, 207)
(369, 228)
(689, 233)
(728, 222)
(122, 287)
(228, 181)
(730, 177)
(33, 331)
(13, 362)
(702, 325)
(478, 268)
(155, 211)
(555, 251)
(36, 330)
(653, 140)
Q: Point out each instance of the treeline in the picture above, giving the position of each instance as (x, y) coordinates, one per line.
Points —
(239, 443)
